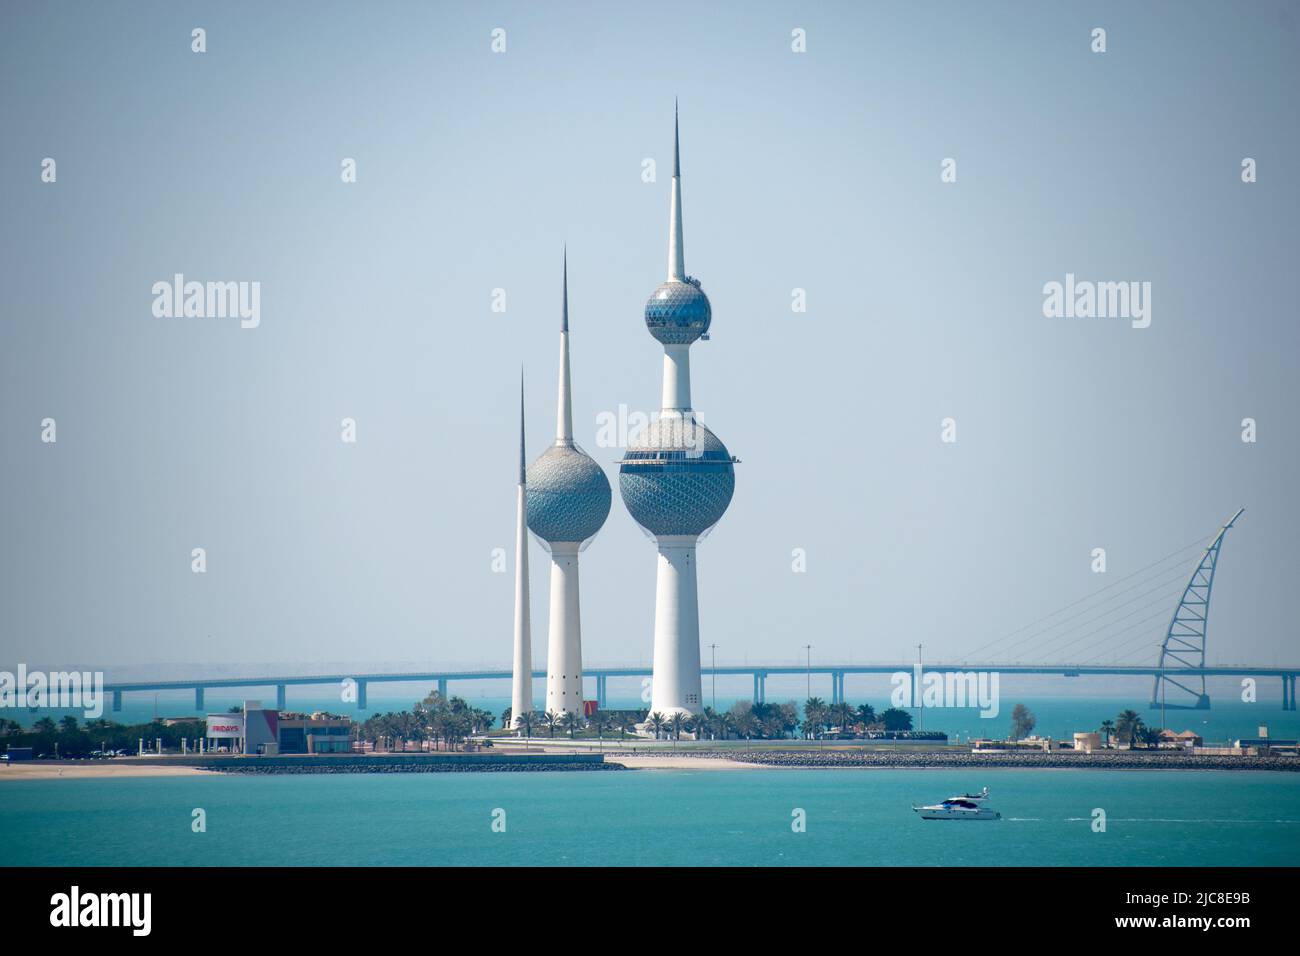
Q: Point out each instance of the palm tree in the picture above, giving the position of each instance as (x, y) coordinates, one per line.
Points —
(571, 721)
(552, 718)
(438, 729)
(896, 719)
(1127, 724)
(709, 722)
(745, 720)
(605, 722)
(814, 714)
(1149, 736)
(866, 715)
(626, 721)
(526, 721)
(843, 714)
(45, 726)
(657, 721)
(679, 721)
(1107, 729)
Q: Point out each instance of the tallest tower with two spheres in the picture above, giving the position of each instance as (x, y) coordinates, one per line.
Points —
(677, 478)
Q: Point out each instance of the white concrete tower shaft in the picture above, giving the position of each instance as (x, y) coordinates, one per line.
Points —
(676, 684)
(564, 641)
(521, 689)
(564, 648)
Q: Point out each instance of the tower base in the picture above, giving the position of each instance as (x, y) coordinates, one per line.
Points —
(564, 642)
(675, 687)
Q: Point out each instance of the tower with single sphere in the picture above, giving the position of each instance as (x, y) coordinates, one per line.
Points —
(677, 478)
(568, 500)
(521, 689)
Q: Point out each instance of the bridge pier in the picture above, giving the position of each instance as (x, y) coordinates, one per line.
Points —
(361, 695)
(198, 699)
(280, 695)
(760, 687)
(1288, 691)
(117, 700)
(442, 687)
(837, 687)
(601, 691)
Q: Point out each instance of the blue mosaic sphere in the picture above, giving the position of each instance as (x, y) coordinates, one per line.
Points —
(568, 495)
(677, 477)
(678, 312)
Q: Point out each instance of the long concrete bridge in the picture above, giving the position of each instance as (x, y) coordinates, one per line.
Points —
(1181, 661)
(441, 679)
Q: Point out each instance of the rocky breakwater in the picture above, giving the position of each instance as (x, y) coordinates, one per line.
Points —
(1111, 760)
(410, 763)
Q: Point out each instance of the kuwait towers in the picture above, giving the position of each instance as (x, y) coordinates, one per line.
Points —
(521, 690)
(567, 501)
(676, 478)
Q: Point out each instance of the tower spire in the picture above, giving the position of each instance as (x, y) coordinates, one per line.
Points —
(523, 462)
(676, 247)
(564, 411)
(677, 148)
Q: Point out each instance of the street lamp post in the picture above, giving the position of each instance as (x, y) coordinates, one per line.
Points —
(714, 649)
(920, 692)
(808, 673)
(1164, 721)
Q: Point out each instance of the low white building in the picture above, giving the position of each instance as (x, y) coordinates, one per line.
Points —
(1087, 742)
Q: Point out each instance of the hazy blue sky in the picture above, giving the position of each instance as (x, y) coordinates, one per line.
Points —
(818, 170)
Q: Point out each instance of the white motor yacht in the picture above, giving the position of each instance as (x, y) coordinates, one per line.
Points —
(966, 806)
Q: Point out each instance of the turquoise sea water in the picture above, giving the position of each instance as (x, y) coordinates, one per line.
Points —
(655, 817)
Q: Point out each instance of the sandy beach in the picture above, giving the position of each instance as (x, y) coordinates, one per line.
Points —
(677, 762)
(86, 770)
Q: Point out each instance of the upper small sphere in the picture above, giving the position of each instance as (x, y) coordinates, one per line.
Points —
(568, 495)
(678, 312)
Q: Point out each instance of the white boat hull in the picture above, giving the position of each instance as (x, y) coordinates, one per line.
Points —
(945, 813)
